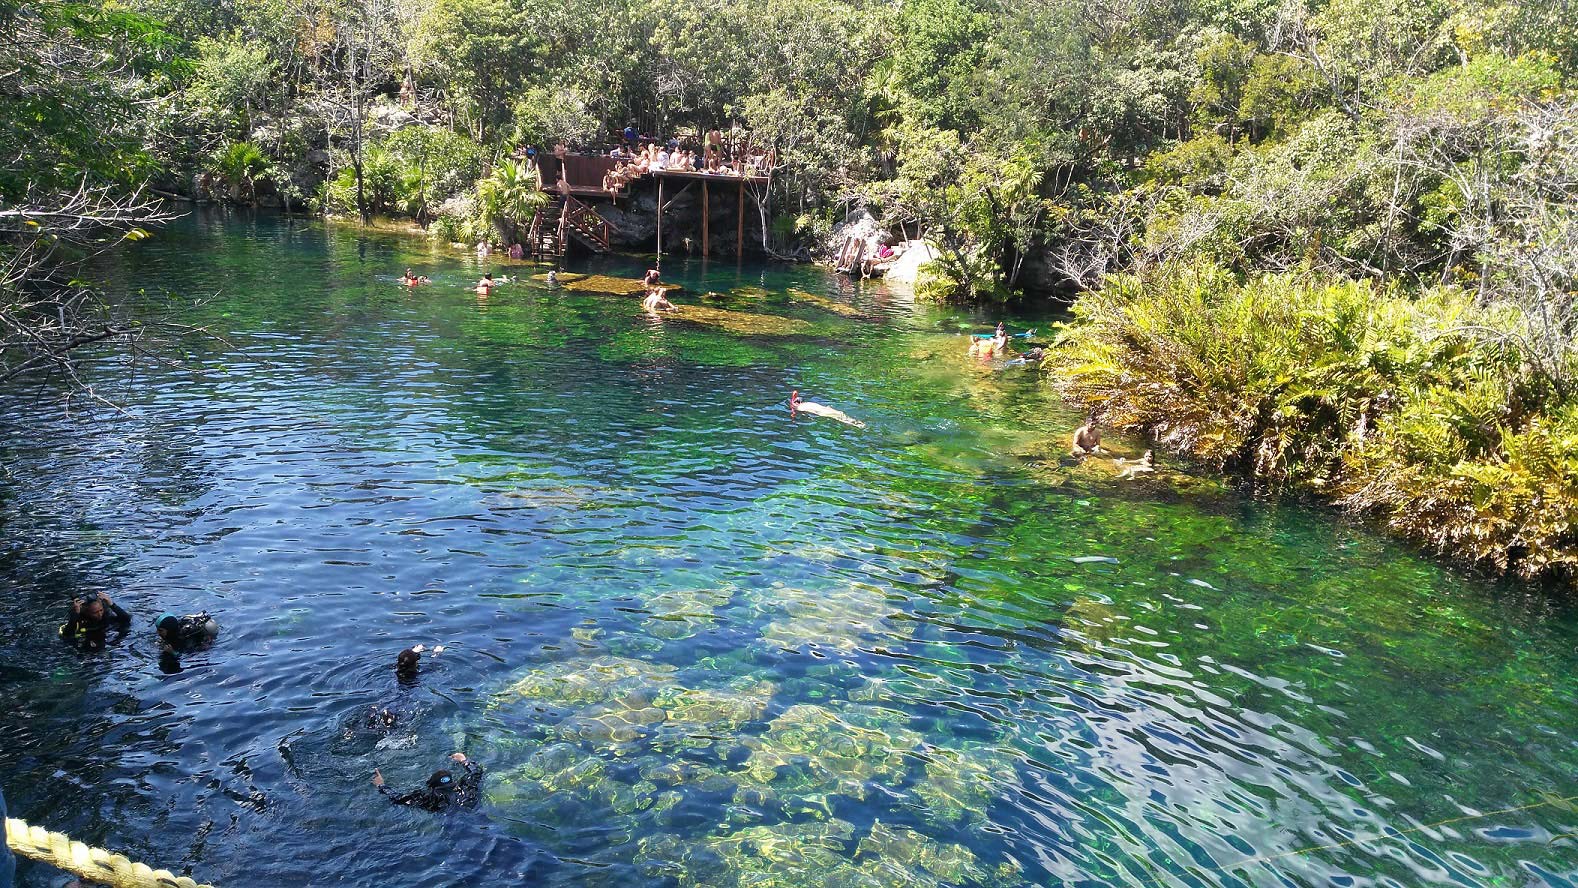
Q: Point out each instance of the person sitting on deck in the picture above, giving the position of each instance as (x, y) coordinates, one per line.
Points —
(443, 790)
(661, 163)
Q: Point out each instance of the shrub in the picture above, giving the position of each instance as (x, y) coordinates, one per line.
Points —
(1391, 404)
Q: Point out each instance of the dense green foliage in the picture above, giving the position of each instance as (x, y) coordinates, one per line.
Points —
(1341, 156)
(1391, 404)
(1036, 144)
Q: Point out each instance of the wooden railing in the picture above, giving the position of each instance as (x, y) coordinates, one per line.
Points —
(585, 222)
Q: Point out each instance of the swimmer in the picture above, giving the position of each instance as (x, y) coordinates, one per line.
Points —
(412, 280)
(1032, 357)
(486, 285)
(1142, 466)
(656, 301)
(553, 277)
(408, 664)
(443, 791)
(797, 405)
(91, 618)
(184, 633)
(409, 661)
(1087, 438)
(652, 279)
(986, 348)
(382, 718)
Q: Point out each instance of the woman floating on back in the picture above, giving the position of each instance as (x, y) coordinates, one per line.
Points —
(797, 405)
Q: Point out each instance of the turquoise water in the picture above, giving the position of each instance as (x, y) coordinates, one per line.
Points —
(695, 641)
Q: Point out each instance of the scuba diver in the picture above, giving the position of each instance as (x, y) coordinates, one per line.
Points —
(409, 662)
(443, 790)
(178, 634)
(92, 616)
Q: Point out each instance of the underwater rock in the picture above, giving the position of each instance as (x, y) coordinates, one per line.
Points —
(898, 856)
(683, 613)
(839, 619)
(812, 750)
(826, 304)
(716, 711)
(739, 322)
(584, 682)
(961, 783)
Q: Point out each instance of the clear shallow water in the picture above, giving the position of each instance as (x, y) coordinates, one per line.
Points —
(697, 643)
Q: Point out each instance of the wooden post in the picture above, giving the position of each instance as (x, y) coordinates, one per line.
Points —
(739, 223)
(704, 241)
(660, 218)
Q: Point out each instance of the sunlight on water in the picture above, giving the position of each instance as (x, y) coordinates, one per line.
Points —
(694, 641)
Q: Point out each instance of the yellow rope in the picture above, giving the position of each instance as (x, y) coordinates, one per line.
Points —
(58, 850)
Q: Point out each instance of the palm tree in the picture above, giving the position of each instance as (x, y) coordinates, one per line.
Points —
(509, 197)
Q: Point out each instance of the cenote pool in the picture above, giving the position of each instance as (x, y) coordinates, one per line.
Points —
(695, 642)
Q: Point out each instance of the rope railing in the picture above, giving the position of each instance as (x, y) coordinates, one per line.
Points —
(62, 852)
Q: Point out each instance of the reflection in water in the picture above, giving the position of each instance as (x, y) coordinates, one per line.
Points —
(694, 642)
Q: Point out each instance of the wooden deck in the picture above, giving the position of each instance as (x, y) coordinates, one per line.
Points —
(584, 173)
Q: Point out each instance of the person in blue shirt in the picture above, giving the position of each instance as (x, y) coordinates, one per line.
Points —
(630, 133)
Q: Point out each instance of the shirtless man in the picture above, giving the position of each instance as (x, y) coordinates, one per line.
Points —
(1087, 438)
(656, 301)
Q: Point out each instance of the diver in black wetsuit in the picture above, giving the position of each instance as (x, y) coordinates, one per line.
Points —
(92, 616)
(443, 791)
(177, 634)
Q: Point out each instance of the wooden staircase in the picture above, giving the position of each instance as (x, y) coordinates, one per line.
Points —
(563, 219)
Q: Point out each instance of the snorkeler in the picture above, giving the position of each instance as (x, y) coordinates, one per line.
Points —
(178, 634)
(92, 616)
(656, 301)
(412, 280)
(1087, 438)
(797, 405)
(988, 347)
(443, 789)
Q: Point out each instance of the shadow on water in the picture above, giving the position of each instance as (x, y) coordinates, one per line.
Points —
(695, 641)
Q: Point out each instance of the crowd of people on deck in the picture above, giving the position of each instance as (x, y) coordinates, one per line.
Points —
(717, 153)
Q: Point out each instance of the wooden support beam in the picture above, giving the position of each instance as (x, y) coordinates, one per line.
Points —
(660, 218)
(739, 225)
(704, 214)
